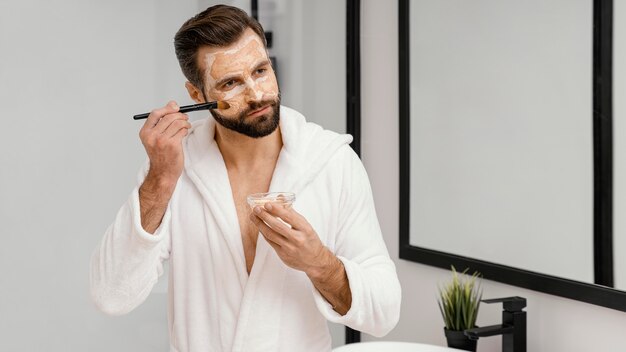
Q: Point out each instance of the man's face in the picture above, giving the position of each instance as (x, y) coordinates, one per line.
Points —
(241, 74)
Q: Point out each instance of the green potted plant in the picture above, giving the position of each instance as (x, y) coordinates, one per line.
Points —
(459, 301)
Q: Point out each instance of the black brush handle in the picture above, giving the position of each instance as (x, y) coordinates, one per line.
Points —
(183, 109)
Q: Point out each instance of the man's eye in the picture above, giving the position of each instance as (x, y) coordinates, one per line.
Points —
(229, 83)
(261, 71)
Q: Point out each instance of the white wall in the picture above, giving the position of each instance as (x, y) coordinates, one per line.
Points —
(72, 74)
(554, 324)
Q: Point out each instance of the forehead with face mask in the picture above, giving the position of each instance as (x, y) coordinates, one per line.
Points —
(242, 75)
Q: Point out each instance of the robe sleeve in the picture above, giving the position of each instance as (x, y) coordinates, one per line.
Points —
(128, 261)
(374, 284)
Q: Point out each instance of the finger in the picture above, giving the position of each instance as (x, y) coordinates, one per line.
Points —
(181, 133)
(277, 248)
(270, 235)
(157, 114)
(165, 122)
(276, 224)
(288, 214)
(176, 126)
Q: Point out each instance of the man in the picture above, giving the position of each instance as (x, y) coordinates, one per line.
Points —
(230, 289)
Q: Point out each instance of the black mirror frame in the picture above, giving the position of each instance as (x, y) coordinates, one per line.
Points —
(353, 95)
(602, 186)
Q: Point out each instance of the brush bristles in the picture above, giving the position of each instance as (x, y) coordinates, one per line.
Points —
(222, 105)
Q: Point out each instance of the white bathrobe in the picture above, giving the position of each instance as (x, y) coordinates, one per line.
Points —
(213, 304)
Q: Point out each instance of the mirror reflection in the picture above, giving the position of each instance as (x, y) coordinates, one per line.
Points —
(501, 133)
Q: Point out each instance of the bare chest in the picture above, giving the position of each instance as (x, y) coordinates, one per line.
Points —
(242, 186)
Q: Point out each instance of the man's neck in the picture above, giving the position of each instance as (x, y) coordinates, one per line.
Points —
(242, 153)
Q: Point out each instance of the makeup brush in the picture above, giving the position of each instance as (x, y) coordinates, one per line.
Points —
(195, 107)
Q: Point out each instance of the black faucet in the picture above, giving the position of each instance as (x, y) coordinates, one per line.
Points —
(513, 327)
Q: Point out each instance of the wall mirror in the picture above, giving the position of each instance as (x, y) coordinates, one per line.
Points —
(506, 143)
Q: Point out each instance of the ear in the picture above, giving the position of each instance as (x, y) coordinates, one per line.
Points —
(194, 93)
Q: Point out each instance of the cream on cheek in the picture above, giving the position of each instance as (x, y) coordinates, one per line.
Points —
(259, 89)
(268, 87)
(231, 94)
(237, 106)
(235, 99)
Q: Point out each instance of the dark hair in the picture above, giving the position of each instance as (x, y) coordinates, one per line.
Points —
(217, 26)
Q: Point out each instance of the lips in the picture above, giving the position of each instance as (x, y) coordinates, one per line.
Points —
(260, 111)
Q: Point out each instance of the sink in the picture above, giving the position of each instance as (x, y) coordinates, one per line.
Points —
(390, 346)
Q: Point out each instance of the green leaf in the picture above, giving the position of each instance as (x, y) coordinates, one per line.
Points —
(459, 300)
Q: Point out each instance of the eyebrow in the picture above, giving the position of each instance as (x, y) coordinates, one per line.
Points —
(265, 62)
(227, 78)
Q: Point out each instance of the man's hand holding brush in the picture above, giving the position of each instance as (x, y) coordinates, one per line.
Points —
(161, 136)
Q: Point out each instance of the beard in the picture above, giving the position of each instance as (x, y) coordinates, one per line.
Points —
(256, 127)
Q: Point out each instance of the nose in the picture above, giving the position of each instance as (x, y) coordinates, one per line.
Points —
(253, 92)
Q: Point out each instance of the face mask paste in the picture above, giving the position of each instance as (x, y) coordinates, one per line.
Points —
(234, 75)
